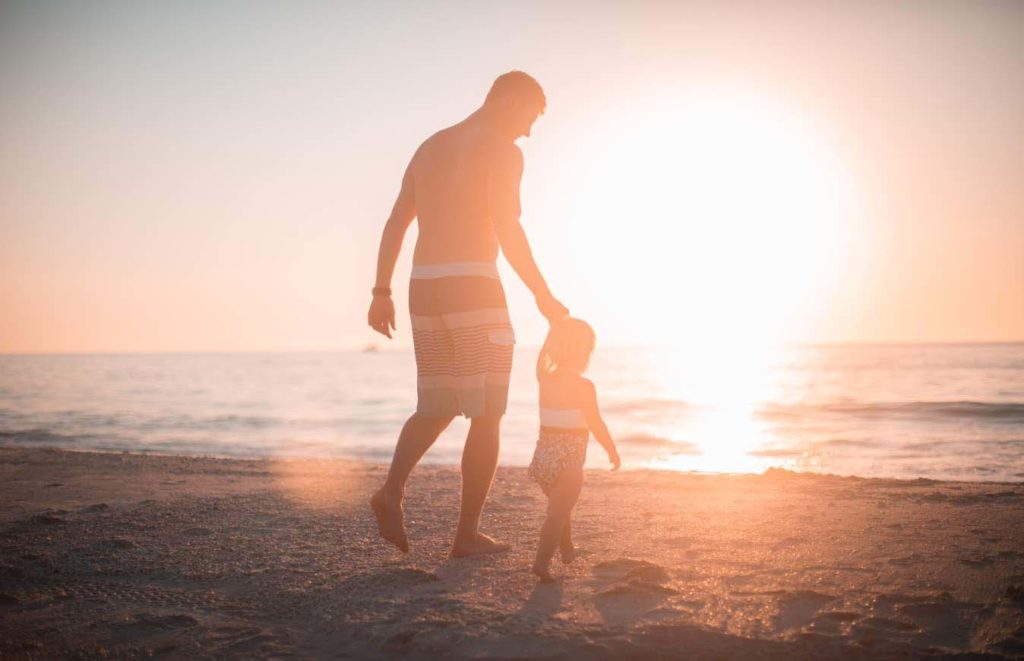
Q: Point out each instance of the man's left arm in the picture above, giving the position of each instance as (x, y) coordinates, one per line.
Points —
(505, 210)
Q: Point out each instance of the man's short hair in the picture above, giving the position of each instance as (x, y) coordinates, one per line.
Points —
(519, 85)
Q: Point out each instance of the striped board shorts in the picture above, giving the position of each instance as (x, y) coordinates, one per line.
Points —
(463, 339)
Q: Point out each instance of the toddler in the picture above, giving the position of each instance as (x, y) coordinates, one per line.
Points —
(568, 415)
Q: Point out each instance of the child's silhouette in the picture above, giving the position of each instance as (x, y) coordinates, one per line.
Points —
(568, 415)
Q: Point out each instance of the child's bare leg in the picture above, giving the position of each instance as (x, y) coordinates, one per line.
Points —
(565, 545)
(561, 500)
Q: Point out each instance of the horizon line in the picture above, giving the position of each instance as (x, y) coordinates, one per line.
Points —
(373, 348)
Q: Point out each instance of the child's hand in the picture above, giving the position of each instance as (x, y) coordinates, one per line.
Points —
(613, 456)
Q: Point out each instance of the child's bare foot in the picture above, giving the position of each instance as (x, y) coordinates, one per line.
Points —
(568, 552)
(543, 573)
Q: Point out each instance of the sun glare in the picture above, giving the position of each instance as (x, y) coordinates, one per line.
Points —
(722, 213)
(721, 219)
(724, 390)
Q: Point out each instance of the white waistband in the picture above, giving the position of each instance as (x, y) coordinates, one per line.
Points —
(431, 271)
(564, 418)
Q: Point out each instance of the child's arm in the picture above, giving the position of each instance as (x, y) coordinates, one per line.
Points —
(596, 423)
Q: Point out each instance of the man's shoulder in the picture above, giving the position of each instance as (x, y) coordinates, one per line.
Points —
(433, 139)
(429, 150)
(461, 137)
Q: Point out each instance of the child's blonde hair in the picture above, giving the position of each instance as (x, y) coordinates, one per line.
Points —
(568, 346)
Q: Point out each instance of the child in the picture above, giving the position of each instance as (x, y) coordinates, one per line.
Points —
(568, 415)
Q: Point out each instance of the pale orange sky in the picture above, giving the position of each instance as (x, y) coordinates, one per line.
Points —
(216, 176)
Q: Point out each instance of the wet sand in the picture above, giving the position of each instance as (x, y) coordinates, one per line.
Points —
(111, 555)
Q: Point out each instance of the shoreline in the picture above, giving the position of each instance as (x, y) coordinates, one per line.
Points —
(125, 554)
(426, 462)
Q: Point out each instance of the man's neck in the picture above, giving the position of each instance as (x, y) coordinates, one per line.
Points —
(486, 119)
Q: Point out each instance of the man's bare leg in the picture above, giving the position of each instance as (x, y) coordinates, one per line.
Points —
(479, 461)
(418, 434)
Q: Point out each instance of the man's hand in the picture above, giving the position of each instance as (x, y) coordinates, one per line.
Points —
(381, 316)
(551, 308)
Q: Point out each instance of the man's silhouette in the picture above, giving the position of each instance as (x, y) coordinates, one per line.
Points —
(463, 186)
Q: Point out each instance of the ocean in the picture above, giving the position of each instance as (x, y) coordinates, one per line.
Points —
(940, 411)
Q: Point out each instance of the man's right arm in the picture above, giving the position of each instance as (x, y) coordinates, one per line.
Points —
(381, 316)
(505, 211)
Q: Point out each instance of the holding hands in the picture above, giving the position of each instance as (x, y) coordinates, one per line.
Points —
(550, 307)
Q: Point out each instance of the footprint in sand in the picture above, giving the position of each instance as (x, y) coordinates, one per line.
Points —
(833, 622)
(839, 616)
(639, 588)
(940, 622)
(875, 628)
(624, 604)
(648, 574)
(625, 568)
(798, 609)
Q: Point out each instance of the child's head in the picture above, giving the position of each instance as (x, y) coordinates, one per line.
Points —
(567, 347)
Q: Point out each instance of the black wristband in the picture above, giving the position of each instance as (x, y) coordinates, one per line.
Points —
(382, 291)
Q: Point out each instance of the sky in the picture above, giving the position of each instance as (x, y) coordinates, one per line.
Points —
(214, 176)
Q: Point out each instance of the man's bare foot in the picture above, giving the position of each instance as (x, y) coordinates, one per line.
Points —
(543, 573)
(481, 544)
(568, 552)
(389, 521)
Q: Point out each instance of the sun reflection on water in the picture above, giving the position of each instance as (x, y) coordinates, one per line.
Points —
(725, 388)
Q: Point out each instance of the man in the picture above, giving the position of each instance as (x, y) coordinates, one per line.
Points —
(463, 185)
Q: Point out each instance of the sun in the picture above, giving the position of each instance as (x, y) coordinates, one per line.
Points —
(717, 214)
(713, 224)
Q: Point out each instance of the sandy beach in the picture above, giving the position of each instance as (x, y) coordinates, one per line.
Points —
(119, 555)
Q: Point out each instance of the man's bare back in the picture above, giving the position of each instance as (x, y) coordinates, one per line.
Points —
(463, 178)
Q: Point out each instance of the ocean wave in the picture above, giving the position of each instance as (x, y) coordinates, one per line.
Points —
(646, 405)
(136, 422)
(1010, 412)
(973, 445)
(778, 453)
(844, 443)
(652, 442)
(42, 437)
